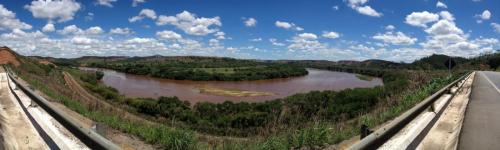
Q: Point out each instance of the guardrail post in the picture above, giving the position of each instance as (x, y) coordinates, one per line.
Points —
(365, 131)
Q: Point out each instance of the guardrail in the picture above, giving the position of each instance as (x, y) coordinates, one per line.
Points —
(379, 137)
(87, 136)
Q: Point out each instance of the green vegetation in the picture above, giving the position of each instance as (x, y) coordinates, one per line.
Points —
(199, 68)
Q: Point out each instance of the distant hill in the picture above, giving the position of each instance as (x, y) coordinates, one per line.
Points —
(435, 61)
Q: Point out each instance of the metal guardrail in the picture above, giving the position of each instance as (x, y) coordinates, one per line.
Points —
(379, 137)
(87, 136)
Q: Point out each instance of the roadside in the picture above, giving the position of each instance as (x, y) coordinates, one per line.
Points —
(13, 120)
(445, 132)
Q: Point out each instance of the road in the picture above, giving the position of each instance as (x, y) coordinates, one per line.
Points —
(481, 128)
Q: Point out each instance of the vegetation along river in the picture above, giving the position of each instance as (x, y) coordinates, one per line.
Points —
(236, 91)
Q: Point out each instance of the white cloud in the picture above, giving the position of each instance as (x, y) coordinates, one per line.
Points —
(82, 41)
(356, 2)
(496, 27)
(486, 15)
(395, 38)
(94, 30)
(307, 36)
(390, 27)
(287, 25)
(336, 7)
(63, 10)
(440, 4)
(447, 15)
(137, 2)
(190, 23)
(121, 31)
(105, 2)
(71, 29)
(89, 16)
(74, 30)
(365, 10)
(8, 20)
(145, 13)
(305, 42)
(49, 27)
(444, 27)
(275, 42)
(250, 22)
(169, 35)
(331, 35)
(220, 35)
(420, 19)
(256, 40)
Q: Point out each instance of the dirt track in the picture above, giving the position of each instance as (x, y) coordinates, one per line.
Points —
(123, 140)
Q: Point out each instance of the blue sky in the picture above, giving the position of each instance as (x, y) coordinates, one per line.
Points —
(257, 29)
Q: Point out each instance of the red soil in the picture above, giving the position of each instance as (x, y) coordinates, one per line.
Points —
(7, 56)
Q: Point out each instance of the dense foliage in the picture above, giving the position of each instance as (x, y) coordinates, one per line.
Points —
(201, 69)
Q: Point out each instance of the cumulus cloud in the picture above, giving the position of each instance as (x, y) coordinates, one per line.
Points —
(83, 41)
(444, 27)
(137, 2)
(486, 15)
(49, 27)
(305, 42)
(121, 31)
(105, 2)
(71, 29)
(169, 35)
(390, 27)
(145, 13)
(250, 22)
(330, 34)
(496, 27)
(220, 35)
(440, 4)
(395, 38)
(8, 20)
(75, 30)
(446, 15)
(360, 7)
(94, 30)
(63, 10)
(420, 19)
(190, 23)
(287, 25)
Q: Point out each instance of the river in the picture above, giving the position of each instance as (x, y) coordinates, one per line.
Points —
(196, 91)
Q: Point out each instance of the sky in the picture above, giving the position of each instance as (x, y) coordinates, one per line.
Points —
(395, 30)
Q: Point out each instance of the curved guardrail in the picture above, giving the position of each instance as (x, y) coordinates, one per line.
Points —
(87, 136)
(380, 136)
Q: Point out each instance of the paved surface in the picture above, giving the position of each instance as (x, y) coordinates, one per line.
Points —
(481, 128)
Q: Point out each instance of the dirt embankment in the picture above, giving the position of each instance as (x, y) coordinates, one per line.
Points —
(7, 56)
(125, 141)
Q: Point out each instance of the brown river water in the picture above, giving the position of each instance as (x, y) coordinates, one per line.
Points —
(317, 80)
